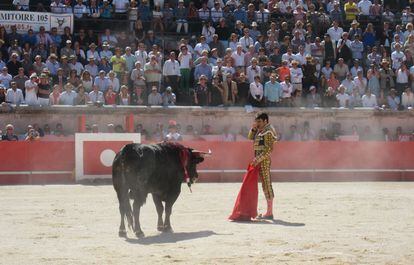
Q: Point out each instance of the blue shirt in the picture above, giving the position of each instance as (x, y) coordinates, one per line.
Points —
(203, 69)
(272, 92)
(240, 14)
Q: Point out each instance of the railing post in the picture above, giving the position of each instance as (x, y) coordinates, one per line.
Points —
(82, 123)
(129, 123)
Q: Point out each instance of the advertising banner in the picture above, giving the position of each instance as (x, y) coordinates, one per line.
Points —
(34, 20)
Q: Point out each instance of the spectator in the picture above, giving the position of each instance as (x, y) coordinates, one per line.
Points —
(407, 100)
(32, 135)
(154, 98)
(82, 96)
(101, 81)
(392, 100)
(54, 96)
(369, 100)
(9, 136)
(96, 95)
(313, 99)
(113, 81)
(272, 92)
(124, 96)
(173, 134)
(14, 95)
(152, 73)
(171, 72)
(110, 96)
(168, 97)
(68, 96)
(201, 92)
(342, 97)
(256, 92)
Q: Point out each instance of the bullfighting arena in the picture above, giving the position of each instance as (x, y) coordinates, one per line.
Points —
(316, 223)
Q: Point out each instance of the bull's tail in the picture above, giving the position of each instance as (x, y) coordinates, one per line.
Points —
(121, 188)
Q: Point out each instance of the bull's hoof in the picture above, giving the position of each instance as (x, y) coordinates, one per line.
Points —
(167, 229)
(122, 233)
(139, 234)
(160, 228)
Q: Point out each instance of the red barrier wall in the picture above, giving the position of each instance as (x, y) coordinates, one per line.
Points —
(53, 162)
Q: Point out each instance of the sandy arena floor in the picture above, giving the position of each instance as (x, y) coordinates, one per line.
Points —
(317, 223)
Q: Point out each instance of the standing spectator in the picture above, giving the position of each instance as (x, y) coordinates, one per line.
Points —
(171, 72)
(229, 92)
(20, 79)
(373, 76)
(14, 95)
(272, 92)
(296, 76)
(44, 90)
(256, 92)
(387, 75)
(397, 57)
(31, 89)
(68, 96)
(243, 90)
(118, 62)
(186, 63)
(54, 96)
(152, 73)
(201, 92)
(203, 69)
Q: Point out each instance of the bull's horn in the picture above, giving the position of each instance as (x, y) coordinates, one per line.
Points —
(202, 153)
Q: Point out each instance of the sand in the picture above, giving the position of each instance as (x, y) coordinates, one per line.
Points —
(316, 223)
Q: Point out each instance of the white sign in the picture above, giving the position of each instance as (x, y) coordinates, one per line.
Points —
(34, 20)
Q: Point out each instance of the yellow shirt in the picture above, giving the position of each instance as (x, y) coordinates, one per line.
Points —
(351, 11)
(118, 64)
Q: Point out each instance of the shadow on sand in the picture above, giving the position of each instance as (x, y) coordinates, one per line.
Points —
(271, 222)
(170, 237)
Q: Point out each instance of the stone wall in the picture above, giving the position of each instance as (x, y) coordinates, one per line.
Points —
(235, 117)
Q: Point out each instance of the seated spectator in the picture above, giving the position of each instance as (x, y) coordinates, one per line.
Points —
(96, 96)
(313, 99)
(124, 97)
(155, 98)
(392, 100)
(227, 136)
(32, 135)
(342, 97)
(59, 132)
(68, 96)
(173, 134)
(82, 96)
(10, 135)
(407, 99)
(369, 100)
(5, 77)
(168, 97)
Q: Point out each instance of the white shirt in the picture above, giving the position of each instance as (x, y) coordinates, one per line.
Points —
(407, 100)
(397, 58)
(5, 80)
(171, 68)
(364, 6)
(296, 75)
(335, 34)
(114, 83)
(301, 58)
(67, 98)
(238, 59)
(120, 5)
(286, 89)
(141, 57)
(342, 98)
(369, 102)
(14, 97)
(251, 73)
(185, 61)
(77, 66)
(79, 10)
(256, 89)
(246, 42)
(96, 96)
(402, 77)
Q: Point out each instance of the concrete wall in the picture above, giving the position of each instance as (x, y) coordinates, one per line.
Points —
(236, 117)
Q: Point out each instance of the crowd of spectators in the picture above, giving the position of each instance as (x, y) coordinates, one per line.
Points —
(272, 53)
(174, 131)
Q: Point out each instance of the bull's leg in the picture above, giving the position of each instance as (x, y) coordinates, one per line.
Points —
(168, 210)
(122, 231)
(160, 209)
(137, 226)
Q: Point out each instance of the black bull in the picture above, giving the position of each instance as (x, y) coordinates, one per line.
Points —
(159, 169)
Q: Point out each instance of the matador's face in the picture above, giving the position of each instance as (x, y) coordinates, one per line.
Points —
(260, 123)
